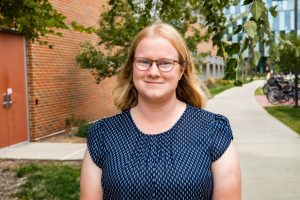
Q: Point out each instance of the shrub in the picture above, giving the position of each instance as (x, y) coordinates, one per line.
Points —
(74, 121)
(83, 130)
(210, 82)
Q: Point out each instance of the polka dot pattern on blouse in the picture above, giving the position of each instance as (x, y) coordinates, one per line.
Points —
(175, 164)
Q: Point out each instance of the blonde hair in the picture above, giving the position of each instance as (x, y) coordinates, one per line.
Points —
(188, 89)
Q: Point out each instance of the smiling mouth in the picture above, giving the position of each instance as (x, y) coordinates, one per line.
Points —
(152, 82)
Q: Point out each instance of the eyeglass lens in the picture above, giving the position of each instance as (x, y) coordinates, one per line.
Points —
(163, 64)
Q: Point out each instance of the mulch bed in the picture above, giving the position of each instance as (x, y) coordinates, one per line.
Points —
(64, 137)
(9, 183)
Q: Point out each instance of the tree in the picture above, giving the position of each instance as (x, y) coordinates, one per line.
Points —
(289, 53)
(34, 18)
(289, 57)
(125, 18)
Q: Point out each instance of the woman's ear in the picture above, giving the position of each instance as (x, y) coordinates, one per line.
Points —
(181, 72)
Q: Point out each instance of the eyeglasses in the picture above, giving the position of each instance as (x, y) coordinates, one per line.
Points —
(163, 64)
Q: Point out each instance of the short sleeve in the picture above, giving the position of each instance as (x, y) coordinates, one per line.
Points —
(95, 143)
(222, 137)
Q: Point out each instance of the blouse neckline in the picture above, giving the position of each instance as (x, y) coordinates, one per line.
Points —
(169, 131)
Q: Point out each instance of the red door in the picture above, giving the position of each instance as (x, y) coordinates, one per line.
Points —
(13, 106)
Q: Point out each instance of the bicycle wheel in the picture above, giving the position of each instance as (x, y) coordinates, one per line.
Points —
(285, 97)
(274, 97)
(265, 88)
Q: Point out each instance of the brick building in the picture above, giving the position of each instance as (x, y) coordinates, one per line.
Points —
(53, 84)
(42, 86)
(57, 87)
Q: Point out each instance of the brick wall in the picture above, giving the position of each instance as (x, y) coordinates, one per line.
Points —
(57, 87)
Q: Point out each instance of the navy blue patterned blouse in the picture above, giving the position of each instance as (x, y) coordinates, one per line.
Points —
(175, 164)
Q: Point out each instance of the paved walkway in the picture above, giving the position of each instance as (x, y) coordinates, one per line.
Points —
(44, 151)
(269, 151)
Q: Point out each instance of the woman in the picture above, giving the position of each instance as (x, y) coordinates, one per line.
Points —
(162, 145)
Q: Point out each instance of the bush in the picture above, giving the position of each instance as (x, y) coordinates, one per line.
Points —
(210, 82)
(83, 130)
(74, 121)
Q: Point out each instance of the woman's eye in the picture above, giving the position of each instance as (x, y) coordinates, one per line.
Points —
(146, 62)
(165, 63)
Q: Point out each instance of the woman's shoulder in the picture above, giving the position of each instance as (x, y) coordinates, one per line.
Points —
(108, 121)
(205, 115)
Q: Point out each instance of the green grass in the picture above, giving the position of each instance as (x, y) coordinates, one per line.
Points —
(287, 115)
(48, 181)
(219, 88)
(259, 91)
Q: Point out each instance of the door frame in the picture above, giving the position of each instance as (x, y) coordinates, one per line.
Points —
(26, 87)
(25, 68)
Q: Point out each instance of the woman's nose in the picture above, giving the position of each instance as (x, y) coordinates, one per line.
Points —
(154, 71)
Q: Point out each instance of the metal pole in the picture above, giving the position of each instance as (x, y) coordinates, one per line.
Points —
(296, 70)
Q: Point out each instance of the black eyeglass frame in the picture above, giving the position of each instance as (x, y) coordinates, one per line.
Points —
(152, 61)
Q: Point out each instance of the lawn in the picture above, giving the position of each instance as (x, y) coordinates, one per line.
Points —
(259, 91)
(48, 181)
(217, 86)
(287, 115)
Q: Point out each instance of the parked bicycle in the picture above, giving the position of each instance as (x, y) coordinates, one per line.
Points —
(274, 83)
(282, 94)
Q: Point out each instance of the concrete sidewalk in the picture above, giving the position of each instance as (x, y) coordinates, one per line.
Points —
(269, 151)
(44, 151)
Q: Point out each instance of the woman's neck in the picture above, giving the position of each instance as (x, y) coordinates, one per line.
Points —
(158, 111)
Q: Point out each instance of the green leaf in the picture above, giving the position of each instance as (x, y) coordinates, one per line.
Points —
(231, 63)
(257, 9)
(220, 52)
(246, 43)
(238, 83)
(296, 50)
(234, 49)
(250, 28)
(255, 58)
(111, 2)
(273, 10)
(246, 2)
(256, 39)
(60, 34)
(237, 29)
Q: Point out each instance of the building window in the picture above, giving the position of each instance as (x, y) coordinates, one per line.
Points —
(276, 23)
(221, 71)
(287, 20)
(204, 72)
(240, 37)
(261, 48)
(211, 70)
(298, 18)
(229, 37)
(227, 11)
(237, 9)
(218, 67)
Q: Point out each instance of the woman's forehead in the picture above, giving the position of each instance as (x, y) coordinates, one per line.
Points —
(155, 46)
